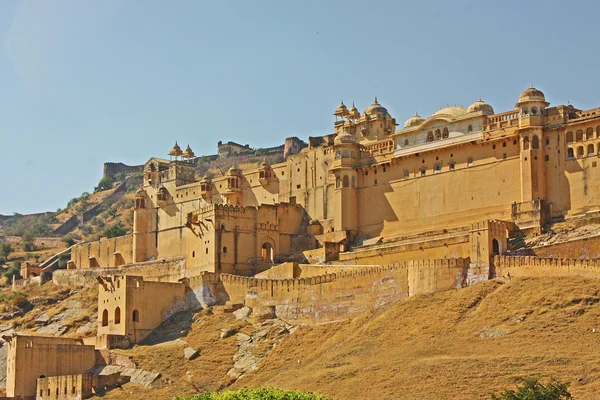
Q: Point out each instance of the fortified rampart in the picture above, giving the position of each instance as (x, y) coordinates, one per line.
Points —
(103, 253)
(344, 294)
(587, 248)
(111, 169)
(538, 267)
(167, 270)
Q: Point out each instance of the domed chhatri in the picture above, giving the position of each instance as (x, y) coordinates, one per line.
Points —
(481, 106)
(344, 138)
(415, 120)
(353, 113)
(175, 151)
(234, 170)
(188, 153)
(531, 94)
(376, 109)
(341, 110)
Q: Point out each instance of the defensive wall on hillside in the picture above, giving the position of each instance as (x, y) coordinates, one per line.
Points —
(111, 169)
(106, 252)
(338, 295)
(162, 270)
(538, 267)
(587, 247)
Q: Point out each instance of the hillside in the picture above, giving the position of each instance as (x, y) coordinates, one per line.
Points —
(458, 344)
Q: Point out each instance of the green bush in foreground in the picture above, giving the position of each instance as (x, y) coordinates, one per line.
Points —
(257, 394)
(533, 389)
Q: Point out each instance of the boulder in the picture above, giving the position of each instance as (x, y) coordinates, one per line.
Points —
(242, 313)
(190, 353)
(228, 332)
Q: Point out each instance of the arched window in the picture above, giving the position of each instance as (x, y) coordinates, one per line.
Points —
(579, 136)
(267, 252)
(546, 157)
(406, 174)
(547, 140)
(105, 318)
(136, 316)
(423, 171)
(526, 143)
(470, 162)
(437, 168)
(430, 136)
(337, 182)
(438, 134)
(117, 315)
(535, 143)
(345, 181)
(570, 153)
(118, 283)
(580, 151)
(598, 132)
(495, 247)
(225, 250)
(193, 254)
(590, 151)
(353, 181)
(569, 137)
(445, 133)
(589, 133)
(406, 142)
(452, 165)
(470, 128)
(345, 154)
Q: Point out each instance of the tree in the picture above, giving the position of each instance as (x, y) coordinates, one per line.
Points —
(5, 250)
(14, 269)
(104, 184)
(533, 389)
(28, 242)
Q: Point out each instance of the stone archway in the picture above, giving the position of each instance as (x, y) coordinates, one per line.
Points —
(267, 252)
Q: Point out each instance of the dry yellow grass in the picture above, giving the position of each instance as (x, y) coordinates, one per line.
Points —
(453, 345)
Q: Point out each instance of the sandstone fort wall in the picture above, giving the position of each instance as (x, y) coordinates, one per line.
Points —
(342, 295)
(169, 270)
(538, 267)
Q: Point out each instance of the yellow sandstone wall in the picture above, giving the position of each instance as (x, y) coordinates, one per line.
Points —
(29, 357)
(341, 295)
(103, 251)
(538, 267)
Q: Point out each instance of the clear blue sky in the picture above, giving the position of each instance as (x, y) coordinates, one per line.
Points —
(84, 82)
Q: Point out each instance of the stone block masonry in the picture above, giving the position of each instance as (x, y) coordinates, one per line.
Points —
(539, 267)
(343, 295)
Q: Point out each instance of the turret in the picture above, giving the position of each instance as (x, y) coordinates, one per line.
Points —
(140, 225)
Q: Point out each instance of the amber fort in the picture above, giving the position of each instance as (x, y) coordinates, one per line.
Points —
(373, 212)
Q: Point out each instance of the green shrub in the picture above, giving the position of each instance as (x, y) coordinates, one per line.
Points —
(5, 249)
(35, 225)
(533, 389)
(114, 231)
(19, 300)
(14, 269)
(71, 238)
(104, 184)
(257, 394)
(62, 261)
